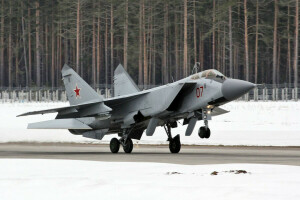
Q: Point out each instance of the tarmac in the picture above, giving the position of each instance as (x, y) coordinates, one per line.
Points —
(189, 155)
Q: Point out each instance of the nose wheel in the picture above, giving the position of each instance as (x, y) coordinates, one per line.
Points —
(174, 143)
(204, 131)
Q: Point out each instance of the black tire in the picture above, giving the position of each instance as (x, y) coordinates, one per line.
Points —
(201, 132)
(128, 146)
(207, 133)
(175, 144)
(114, 145)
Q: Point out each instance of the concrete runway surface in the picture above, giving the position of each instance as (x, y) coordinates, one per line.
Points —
(189, 155)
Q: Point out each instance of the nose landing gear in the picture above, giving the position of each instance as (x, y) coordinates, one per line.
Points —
(174, 143)
(204, 131)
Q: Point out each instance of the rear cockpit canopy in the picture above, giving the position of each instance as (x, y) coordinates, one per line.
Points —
(209, 74)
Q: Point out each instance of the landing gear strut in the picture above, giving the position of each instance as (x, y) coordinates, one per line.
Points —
(174, 143)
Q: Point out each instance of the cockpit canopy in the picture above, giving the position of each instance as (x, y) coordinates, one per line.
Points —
(209, 74)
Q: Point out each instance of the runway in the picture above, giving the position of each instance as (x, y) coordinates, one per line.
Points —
(189, 155)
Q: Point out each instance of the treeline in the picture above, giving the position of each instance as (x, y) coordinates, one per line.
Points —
(156, 41)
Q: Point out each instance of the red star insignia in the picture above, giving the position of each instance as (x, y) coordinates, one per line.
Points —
(77, 91)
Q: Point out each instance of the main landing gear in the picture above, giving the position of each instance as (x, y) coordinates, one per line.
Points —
(174, 143)
(115, 145)
(204, 131)
(125, 141)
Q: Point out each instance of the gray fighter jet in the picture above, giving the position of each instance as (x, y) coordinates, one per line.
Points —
(131, 111)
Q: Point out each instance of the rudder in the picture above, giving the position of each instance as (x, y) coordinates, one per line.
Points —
(123, 83)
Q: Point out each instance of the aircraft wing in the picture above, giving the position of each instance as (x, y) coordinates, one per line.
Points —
(121, 99)
(178, 98)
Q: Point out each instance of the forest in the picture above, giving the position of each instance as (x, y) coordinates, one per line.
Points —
(157, 41)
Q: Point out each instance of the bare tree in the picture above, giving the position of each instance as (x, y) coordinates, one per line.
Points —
(246, 40)
(185, 46)
(165, 78)
(296, 45)
(17, 56)
(176, 48)
(230, 41)
(106, 52)
(52, 52)
(98, 48)
(29, 46)
(10, 48)
(289, 78)
(125, 34)
(140, 82)
(2, 44)
(94, 52)
(24, 46)
(256, 43)
(275, 42)
(145, 46)
(214, 35)
(37, 44)
(78, 37)
(111, 43)
(195, 32)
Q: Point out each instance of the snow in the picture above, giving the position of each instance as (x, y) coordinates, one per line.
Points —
(70, 179)
(247, 123)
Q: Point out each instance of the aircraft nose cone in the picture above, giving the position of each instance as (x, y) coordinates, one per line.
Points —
(234, 88)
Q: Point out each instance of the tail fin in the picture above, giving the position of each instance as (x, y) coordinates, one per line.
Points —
(123, 83)
(78, 91)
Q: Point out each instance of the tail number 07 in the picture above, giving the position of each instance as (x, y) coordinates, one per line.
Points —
(199, 91)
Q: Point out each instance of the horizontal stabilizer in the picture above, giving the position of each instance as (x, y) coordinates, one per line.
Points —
(83, 110)
(59, 124)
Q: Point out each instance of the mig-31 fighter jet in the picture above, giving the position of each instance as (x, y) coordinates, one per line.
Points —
(131, 111)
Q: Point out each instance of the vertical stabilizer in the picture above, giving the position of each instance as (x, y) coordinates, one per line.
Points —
(123, 83)
(78, 91)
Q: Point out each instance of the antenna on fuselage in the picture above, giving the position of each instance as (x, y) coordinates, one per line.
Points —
(196, 67)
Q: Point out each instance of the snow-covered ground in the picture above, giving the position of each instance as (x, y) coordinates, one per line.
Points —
(248, 123)
(69, 179)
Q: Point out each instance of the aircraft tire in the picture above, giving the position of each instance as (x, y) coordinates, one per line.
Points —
(114, 145)
(175, 144)
(207, 133)
(128, 146)
(201, 132)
